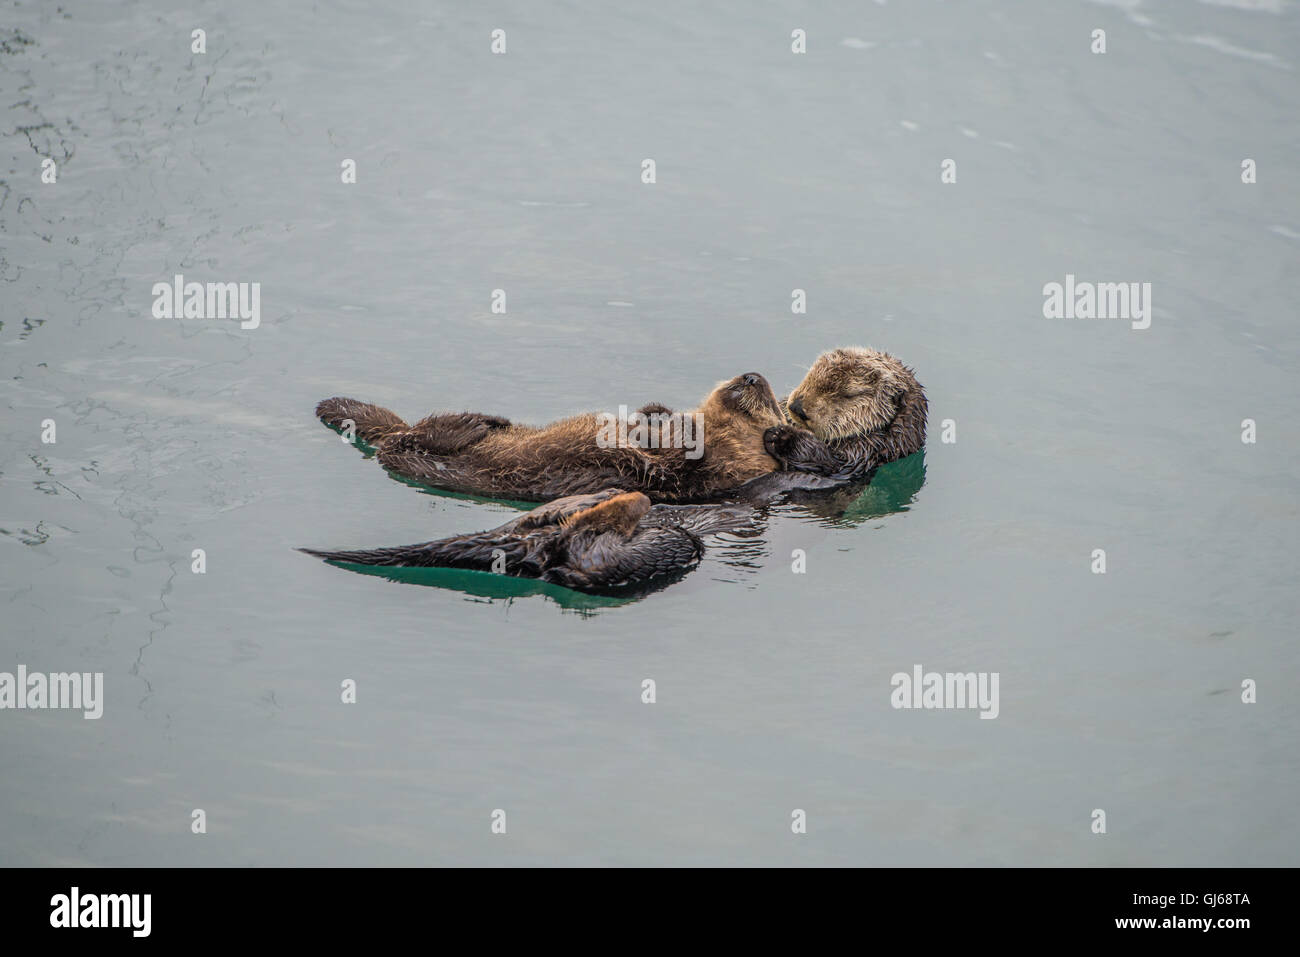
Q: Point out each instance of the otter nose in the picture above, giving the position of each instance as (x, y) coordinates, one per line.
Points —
(796, 406)
(751, 378)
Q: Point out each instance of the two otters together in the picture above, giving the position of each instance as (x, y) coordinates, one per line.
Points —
(855, 410)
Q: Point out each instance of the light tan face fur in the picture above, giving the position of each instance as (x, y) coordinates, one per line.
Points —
(848, 392)
(736, 414)
(749, 394)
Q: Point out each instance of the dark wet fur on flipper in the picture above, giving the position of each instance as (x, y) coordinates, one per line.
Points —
(464, 551)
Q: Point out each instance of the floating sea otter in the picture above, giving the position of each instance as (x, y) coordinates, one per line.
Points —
(608, 540)
(855, 410)
(488, 455)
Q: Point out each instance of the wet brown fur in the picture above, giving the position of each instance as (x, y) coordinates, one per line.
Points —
(863, 406)
(488, 455)
(609, 539)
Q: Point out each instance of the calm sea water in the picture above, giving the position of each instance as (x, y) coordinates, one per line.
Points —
(775, 172)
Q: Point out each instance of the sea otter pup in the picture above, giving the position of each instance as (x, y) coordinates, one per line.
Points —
(587, 542)
(488, 455)
(855, 410)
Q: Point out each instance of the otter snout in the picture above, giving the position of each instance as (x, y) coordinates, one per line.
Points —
(796, 408)
(751, 392)
(749, 380)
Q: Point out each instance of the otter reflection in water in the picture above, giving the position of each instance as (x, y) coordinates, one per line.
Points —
(606, 540)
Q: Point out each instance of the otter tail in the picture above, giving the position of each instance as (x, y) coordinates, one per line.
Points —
(370, 423)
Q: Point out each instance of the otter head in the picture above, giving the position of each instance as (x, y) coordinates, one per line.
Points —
(747, 396)
(849, 392)
(736, 414)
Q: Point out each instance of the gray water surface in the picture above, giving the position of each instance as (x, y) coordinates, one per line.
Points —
(775, 172)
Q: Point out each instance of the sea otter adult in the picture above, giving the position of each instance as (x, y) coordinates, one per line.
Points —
(488, 455)
(607, 540)
(855, 410)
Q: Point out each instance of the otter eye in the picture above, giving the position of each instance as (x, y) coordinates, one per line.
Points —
(864, 386)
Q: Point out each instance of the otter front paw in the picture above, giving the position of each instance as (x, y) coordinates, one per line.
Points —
(799, 450)
(780, 440)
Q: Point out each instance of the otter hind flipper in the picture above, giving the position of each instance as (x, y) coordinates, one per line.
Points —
(619, 514)
(399, 555)
(447, 433)
(370, 423)
(483, 551)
